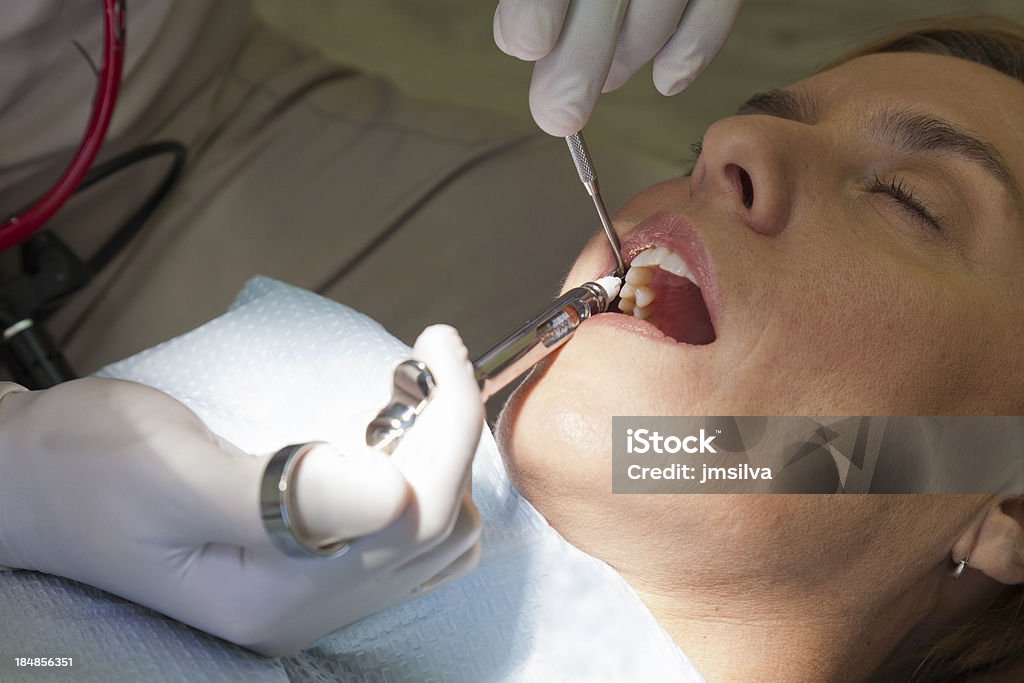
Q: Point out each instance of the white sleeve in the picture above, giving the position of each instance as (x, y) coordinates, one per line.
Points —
(8, 388)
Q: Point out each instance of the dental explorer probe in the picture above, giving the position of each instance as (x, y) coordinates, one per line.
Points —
(585, 167)
(497, 367)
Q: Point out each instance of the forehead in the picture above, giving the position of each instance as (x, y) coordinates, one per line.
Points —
(978, 98)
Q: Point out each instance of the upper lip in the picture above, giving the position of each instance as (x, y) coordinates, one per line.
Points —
(679, 234)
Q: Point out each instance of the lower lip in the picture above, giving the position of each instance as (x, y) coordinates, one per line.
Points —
(633, 325)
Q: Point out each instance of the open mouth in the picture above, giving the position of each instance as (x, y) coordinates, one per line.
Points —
(661, 289)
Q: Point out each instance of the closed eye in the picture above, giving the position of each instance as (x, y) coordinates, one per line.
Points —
(901, 191)
(697, 146)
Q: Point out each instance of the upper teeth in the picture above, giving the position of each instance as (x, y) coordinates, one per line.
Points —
(635, 297)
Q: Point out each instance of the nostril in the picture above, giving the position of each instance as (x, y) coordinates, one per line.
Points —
(741, 183)
(748, 189)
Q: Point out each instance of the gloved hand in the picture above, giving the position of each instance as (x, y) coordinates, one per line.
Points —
(586, 47)
(120, 486)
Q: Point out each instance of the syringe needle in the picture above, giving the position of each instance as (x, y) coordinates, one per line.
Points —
(585, 167)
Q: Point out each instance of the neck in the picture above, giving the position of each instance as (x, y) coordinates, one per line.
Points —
(812, 638)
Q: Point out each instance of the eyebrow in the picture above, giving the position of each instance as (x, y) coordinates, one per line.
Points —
(785, 104)
(913, 132)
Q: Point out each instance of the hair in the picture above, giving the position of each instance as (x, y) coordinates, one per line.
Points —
(993, 641)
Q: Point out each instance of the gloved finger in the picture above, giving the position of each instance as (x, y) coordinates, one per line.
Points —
(334, 496)
(567, 81)
(452, 558)
(702, 32)
(344, 496)
(646, 29)
(463, 535)
(528, 29)
(436, 454)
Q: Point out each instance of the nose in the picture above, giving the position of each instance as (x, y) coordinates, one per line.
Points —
(749, 164)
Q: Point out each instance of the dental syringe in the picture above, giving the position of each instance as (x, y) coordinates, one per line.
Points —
(497, 367)
(545, 332)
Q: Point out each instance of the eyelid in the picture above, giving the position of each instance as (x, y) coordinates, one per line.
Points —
(900, 191)
(697, 146)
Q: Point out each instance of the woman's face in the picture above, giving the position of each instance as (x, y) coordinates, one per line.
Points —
(859, 246)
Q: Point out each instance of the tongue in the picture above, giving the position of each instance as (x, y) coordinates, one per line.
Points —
(679, 310)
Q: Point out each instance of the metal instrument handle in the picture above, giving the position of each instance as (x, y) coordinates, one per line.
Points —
(584, 164)
(412, 385)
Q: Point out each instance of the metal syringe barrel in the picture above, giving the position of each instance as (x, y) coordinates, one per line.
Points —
(412, 383)
(524, 348)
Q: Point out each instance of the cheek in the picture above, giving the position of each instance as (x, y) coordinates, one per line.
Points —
(835, 329)
(556, 437)
(891, 341)
(553, 438)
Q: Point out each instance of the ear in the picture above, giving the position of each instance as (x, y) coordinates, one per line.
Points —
(998, 548)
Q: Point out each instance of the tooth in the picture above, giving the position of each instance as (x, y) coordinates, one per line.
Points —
(650, 257)
(675, 264)
(638, 276)
(627, 305)
(644, 258)
(644, 296)
(627, 292)
(641, 313)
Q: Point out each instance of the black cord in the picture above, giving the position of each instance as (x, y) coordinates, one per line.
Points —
(131, 226)
(51, 273)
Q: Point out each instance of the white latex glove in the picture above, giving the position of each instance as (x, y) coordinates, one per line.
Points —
(120, 486)
(586, 47)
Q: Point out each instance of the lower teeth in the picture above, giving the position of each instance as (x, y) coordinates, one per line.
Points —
(682, 314)
(636, 297)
